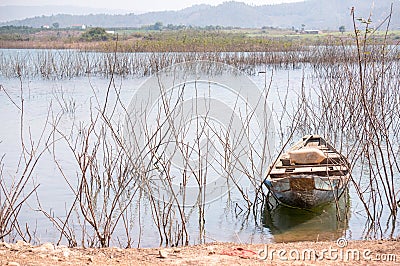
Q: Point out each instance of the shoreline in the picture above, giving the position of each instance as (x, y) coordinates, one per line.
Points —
(362, 252)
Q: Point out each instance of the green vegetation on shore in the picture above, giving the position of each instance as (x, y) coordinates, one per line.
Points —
(156, 38)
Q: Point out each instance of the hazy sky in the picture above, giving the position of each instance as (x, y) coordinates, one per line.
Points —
(136, 5)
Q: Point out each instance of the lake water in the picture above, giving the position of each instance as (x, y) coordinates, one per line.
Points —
(71, 100)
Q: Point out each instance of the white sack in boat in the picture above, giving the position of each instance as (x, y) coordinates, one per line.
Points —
(307, 156)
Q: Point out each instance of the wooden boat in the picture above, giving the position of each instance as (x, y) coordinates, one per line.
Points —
(309, 174)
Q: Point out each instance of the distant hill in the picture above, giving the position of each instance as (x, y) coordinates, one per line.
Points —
(12, 13)
(313, 14)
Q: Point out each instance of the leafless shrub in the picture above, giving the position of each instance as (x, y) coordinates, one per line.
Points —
(355, 105)
(15, 190)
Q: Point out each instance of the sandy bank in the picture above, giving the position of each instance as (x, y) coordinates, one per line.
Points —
(377, 252)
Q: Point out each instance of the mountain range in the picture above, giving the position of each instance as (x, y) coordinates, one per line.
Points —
(309, 14)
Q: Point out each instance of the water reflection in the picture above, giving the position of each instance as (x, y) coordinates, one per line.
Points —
(326, 222)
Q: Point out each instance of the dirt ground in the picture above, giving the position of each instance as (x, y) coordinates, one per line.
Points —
(384, 252)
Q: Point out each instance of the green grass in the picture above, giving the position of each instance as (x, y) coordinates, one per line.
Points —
(187, 39)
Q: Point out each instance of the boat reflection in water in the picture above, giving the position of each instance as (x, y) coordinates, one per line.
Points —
(324, 223)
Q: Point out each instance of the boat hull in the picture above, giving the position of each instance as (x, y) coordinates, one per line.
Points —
(307, 191)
